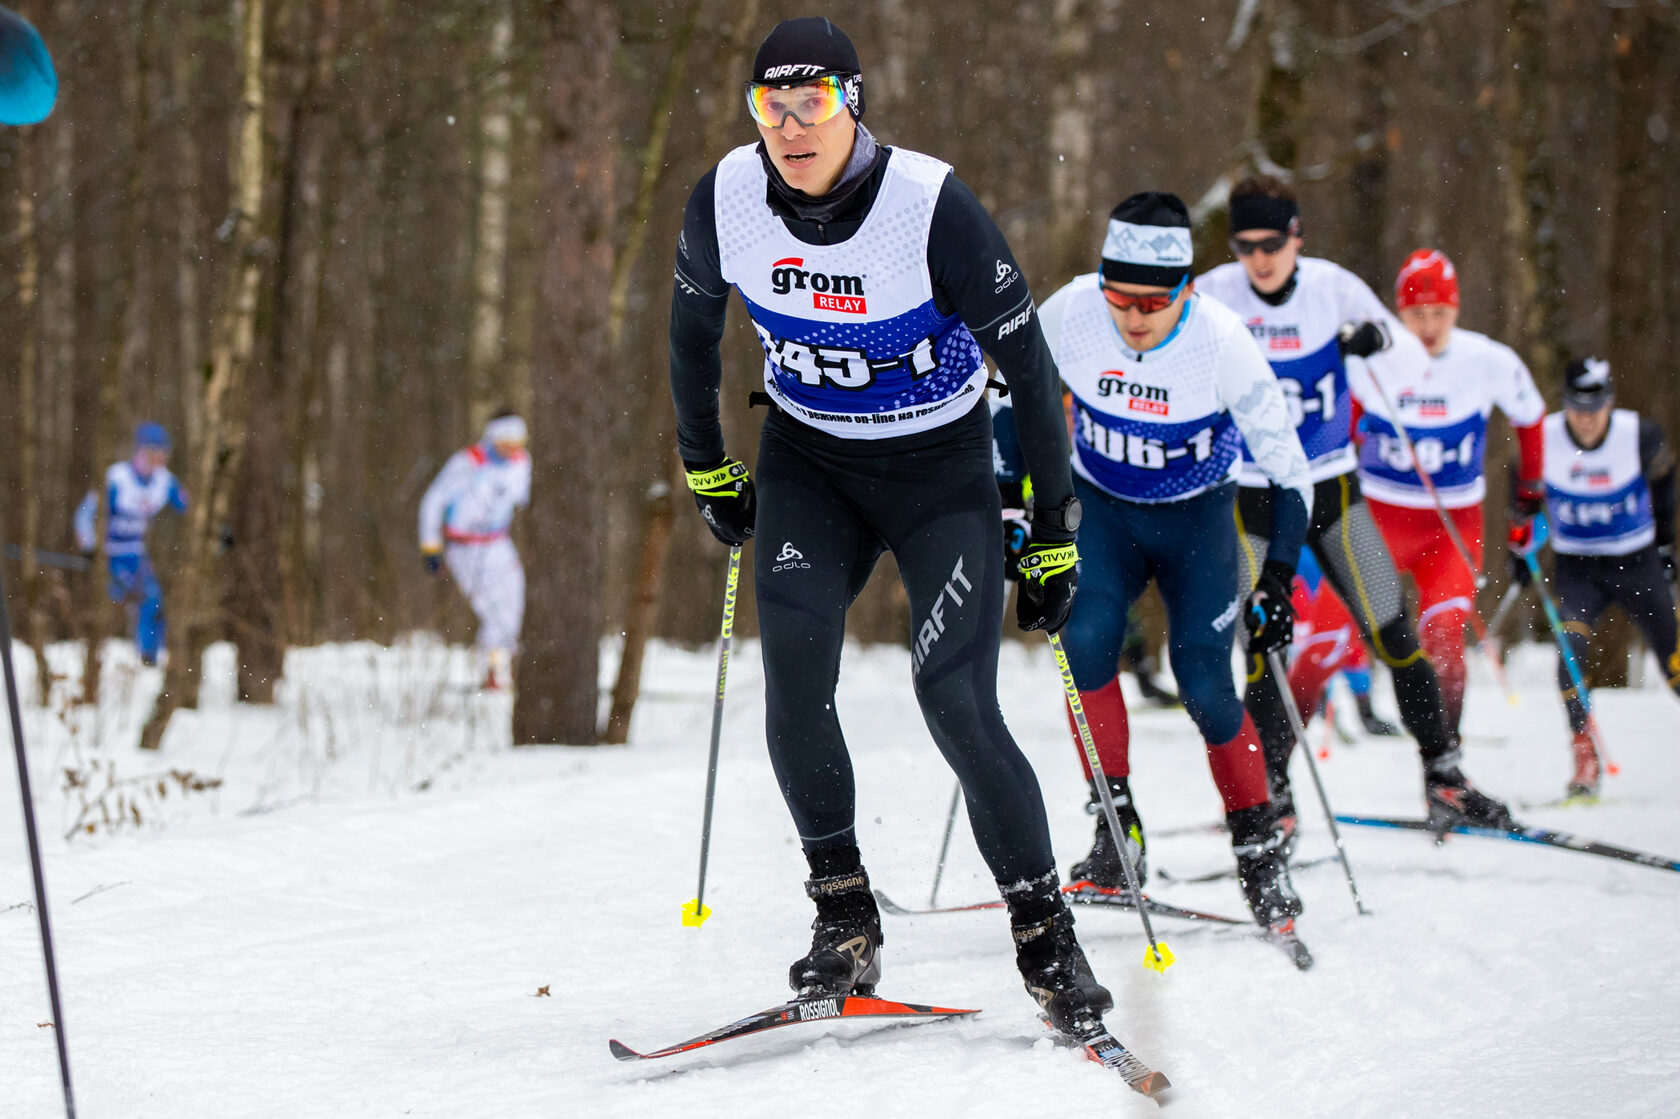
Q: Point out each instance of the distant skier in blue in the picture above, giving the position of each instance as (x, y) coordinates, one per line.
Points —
(136, 490)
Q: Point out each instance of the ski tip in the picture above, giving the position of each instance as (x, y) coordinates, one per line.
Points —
(622, 1051)
(1155, 1086)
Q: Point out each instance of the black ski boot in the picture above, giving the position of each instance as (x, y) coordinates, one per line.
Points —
(1258, 840)
(1052, 964)
(846, 936)
(1102, 866)
(1373, 723)
(1283, 813)
(1453, 800)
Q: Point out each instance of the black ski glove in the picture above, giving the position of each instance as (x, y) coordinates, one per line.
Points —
(1269, 615)
(1049, 575)
(1361, 339)
(724, 494)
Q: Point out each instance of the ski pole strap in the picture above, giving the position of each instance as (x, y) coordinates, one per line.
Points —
(723, 480)
(1041, 561)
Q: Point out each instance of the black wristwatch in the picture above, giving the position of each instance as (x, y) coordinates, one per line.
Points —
(1063, 518)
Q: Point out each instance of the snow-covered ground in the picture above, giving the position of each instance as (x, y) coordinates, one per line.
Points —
(382, 910)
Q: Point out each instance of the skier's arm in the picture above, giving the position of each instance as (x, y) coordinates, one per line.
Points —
(522, 484)
(1249, 389)
(86, 522)
(1657, 462)
(975, 276)
(177, 495)
(1008, 462)
(435, 503)
(699, 304)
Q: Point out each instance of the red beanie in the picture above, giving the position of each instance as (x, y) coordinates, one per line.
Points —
(1426, 277)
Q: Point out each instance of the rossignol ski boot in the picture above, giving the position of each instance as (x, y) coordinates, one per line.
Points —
(846, 936)
(1052, 964)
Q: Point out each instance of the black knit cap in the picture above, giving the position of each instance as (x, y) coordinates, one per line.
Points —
(1262, 211)
(797, 50)
(1148, 241)
(1586, 384)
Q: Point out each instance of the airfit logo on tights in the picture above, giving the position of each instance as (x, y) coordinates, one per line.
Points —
(934, 626)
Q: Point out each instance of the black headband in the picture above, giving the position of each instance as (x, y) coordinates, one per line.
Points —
(1262, 211)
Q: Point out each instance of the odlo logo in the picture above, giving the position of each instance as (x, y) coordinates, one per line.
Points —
(829, 292)
(790, 558)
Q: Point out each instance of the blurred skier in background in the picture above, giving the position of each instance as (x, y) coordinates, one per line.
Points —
(1444, 407)
(1311, 317)
(465, 518)
(1325, 633)
(1610, 495)
(136, 490)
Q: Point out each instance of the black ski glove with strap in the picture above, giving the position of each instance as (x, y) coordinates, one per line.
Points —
(1269, 615)
(724, 494)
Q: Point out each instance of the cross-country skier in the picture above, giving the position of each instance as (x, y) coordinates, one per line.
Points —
(1610, 495)
(1445, 407)
(465, 517)
(873, 277)
(1310, 316)
(1166, 386)
(136, 490)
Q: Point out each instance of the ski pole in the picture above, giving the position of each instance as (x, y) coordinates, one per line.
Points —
(1463, 550)
(1281, 679)
(1571, 665)
(35, 856)
(695, 913)
(47, 559)
(1158, 957)
(945, 845)
(1509, 600)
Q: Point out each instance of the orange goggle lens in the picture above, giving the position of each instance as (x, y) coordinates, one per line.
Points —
(1147, 304)
(810, 103)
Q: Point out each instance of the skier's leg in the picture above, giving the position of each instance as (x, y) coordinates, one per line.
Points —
(944, 534)
(812, 554)
(1196, 570)
(1355, 560)
(1260, 696)
(1646, 594)
(149, 633)
(1581, 600)
(1446, 596)
(811, 557)
(1112, 574)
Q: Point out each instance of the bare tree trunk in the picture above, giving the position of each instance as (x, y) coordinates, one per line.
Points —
(1532, 319)
(558, 688)
(654, 436)
(232, 343)
(489, 261)
(1072, 138)
(189, 330)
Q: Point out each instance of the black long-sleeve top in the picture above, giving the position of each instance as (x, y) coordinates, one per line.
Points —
(974, 276)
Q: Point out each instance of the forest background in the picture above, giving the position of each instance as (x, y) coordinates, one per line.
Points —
(321, 240)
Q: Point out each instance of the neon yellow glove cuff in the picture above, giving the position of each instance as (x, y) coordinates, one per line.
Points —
(1043, 561)
(724, 481)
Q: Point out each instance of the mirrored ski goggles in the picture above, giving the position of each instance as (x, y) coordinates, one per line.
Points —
(1271, 246)
(810, 103)
(1147, 304)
